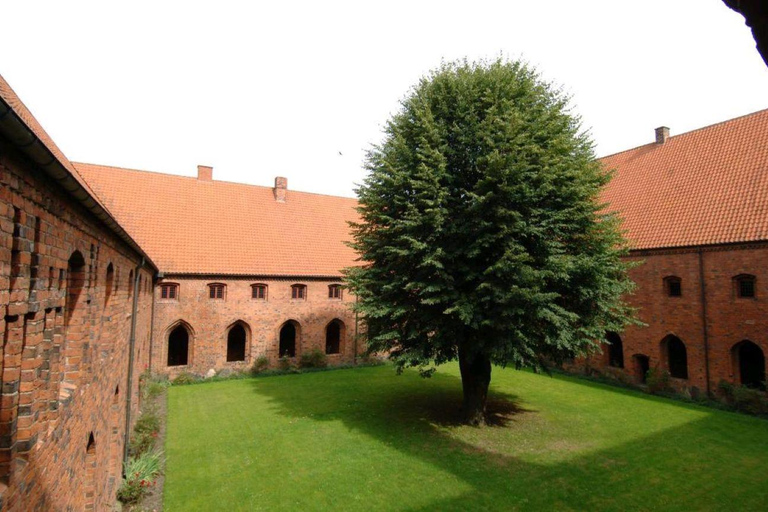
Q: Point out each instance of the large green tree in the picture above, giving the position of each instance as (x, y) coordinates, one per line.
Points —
(481, 236)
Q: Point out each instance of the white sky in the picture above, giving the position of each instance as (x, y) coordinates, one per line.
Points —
(259, 90)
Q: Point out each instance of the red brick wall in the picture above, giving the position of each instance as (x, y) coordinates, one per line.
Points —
(729, 319)
(209, 321)
(61, 363)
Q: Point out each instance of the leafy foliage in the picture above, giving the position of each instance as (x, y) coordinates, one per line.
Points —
(481, 228)
(140, 474)
(314, 358)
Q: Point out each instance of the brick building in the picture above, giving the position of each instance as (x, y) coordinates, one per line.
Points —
(107, 271)
(245, 271)
(76, 301)
(695, 210)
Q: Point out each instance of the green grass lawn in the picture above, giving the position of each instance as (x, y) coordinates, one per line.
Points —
(367, 439)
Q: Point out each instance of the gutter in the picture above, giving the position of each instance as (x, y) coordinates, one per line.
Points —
(705, 330)
(131, 348)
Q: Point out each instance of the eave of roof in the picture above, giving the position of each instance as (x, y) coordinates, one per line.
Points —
(22, 130)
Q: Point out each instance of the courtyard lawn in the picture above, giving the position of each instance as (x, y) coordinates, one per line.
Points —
(368, 439)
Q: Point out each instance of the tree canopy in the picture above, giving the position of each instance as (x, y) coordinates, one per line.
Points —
(481, 235)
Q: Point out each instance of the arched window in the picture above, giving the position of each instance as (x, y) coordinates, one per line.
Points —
(298, 292)
(334, 291)
(259, 291)
(749, 362)
(236, 343)
(615, 350)
(673, 286)
(130, 283)
(169, 291)
(641, 364)
(108, 283)
(334, 332)
(75, 283)
(216, 291)
(677, 356)
(745, 286)
(289, 333)
(178, 346)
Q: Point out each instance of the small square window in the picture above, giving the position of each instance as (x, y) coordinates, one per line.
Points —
(259, 291)
(298, 292)
(216, 291)
(334, 291)
(746, 287)
(673, 286)
(169, 291)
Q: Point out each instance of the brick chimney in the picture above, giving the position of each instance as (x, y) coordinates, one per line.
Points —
(281, 187)
(662, 134)
(204, 173)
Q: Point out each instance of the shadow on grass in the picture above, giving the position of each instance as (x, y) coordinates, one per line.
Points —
(694, 465)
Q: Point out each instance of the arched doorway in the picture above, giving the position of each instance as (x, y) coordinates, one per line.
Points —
(615, 350)
(642, 364)
(333, 334)
(178, 347)
(236, 339)
(677, 356)
(749, 359)
(288, 335)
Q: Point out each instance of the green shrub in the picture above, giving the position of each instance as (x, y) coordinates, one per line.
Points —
(260, 364)
(658, 381)
(315, 358)
(140, 474)
(185, 378)
(742, 398)
(285, 364)
(153, 388)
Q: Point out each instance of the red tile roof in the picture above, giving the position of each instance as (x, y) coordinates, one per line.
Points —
(189, 226)
(707, 186)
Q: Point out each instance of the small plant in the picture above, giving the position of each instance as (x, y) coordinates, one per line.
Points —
(185, 378)
(315, 358)
(260, 364)
(140, 474)
(743, 398)
(152, 388)
(658, 381)
(285, 364)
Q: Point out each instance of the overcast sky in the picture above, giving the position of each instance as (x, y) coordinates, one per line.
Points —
(302, 89)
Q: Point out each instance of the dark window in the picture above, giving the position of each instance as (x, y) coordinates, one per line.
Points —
(333, 337)
(288, 340)
(236, 344)
(169, 291)
(642, 366)
(334, 291)
(216, 291)
(615, 350)
(259, 291)
(677, 357)
(178, 347)
(751, 363)
(75, 283)
(298, 291)
(745, 286)
(673, 286)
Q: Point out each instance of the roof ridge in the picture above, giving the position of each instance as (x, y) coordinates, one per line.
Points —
(701, 128)
(194, 178)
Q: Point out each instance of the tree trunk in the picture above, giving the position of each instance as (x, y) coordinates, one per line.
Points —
(475, 379)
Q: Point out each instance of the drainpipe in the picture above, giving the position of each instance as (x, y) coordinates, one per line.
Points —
(357, 322)
(131, 347)
(703, 287)
(152, 328)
